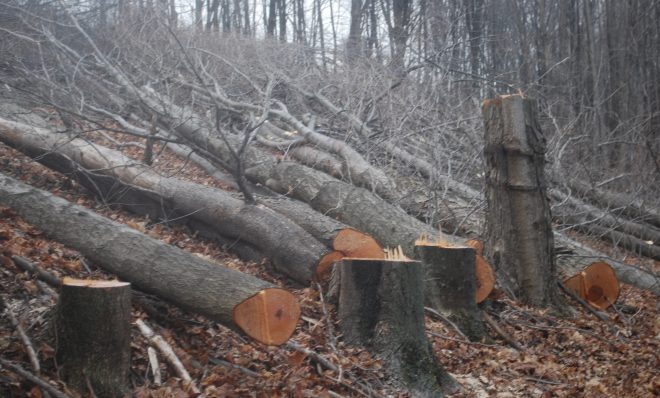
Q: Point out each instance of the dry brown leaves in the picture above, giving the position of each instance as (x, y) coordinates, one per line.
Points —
(564, 357)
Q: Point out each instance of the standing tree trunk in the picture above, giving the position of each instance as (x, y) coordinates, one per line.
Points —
(519, 239)
(381, 307)
(93, 329)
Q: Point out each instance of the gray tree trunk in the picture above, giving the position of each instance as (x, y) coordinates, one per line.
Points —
(93, 329)
(519, 240)
(381, 307)
(155, 267)
(450, 285)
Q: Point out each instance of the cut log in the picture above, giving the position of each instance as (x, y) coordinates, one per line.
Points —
(93, 329)
(596, 284)
(381, 307)
(573, 257)
(355, 206)
(293, 251)
(450, 284)
(519, 239)
(629, 206)
(637, 237)
(155, 267)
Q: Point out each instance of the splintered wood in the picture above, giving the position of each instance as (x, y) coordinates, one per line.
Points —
(395, 254)
(425, 240)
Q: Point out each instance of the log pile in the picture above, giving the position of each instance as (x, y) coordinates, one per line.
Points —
(155, 267)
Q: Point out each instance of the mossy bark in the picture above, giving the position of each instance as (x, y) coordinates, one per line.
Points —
(381, 307)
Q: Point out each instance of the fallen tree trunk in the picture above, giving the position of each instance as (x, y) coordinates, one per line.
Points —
(573, 257)
(263, 311)
(592, 219)
(355, 206)
(292, 250)
(630, 207)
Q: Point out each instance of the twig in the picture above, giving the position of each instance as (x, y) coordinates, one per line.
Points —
(313, 355)
(155, 366)
(167, 352)
(34, 379)
(245, 371)
(32, 354)
(491, 322)
(27, 265)
(589, 308)
(442, 336)
(582, 302)
(446, 320)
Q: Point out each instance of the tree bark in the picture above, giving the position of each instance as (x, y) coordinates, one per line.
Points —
(292, 250)
(381, 307)
(519, 239)
(93, 329)
(186, 280)
(450, 285)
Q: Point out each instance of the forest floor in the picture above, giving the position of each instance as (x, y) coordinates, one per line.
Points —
(571, 356)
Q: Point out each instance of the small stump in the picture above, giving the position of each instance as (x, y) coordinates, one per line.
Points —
(450, 285)
(93, 329)
(381, 307)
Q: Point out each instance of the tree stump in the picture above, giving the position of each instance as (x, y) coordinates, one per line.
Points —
(381, 307)
(519, 240)
(93, 335)
(450, 285)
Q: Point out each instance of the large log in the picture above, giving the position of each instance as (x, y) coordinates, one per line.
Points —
(264, 312)
(93, 329)
(625, 205)
(293, 251)
(519, 240)
(634, 236)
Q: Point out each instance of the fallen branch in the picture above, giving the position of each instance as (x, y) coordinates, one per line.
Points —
(34, 379)
(446, 321)
(507, 337)
(155, 366)
(27, 265)
(32, 354)
(167, 352)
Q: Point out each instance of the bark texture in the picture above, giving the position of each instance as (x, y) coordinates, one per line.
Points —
(355, 206)
(519, 239)
(150, 265)
(93, 329)
(450, 285)
(381, 307)
(293, 251)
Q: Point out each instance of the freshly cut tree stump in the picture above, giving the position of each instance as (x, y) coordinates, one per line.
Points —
(450, 284)
(381, 307)
(597, 285)
(222, 294)
(93, 329)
